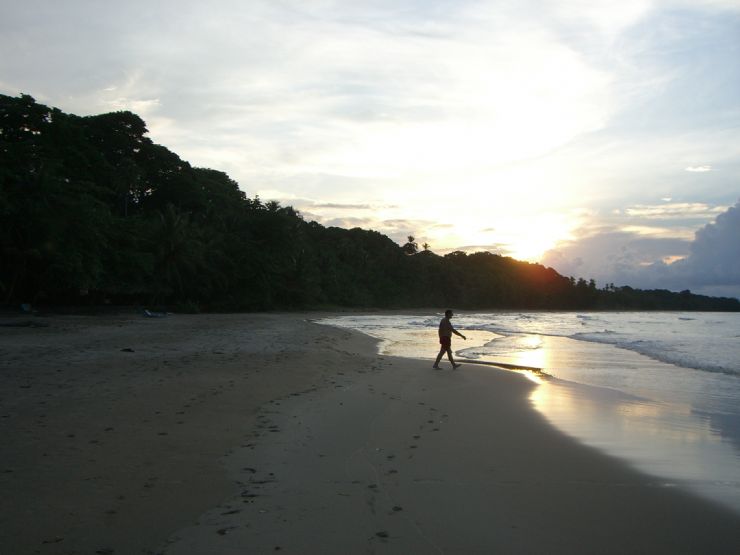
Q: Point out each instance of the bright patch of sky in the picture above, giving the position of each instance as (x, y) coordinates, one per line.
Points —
(567, 132)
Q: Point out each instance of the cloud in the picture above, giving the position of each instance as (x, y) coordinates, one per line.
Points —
(475, 114)
(613, 256)
(677, 210)
(714, 259)
(341, 206)
(699, 169)
(347, 223)
(495, 248)
(709, 264)
(365, 89)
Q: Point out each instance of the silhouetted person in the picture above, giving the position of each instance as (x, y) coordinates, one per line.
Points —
(445, 339)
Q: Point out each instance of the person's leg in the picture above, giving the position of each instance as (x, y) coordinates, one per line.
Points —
(439, 357)
(452, 360)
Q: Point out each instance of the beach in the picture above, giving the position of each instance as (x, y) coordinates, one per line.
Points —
(263, 433)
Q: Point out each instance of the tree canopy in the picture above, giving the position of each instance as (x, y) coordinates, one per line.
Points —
(92, 211)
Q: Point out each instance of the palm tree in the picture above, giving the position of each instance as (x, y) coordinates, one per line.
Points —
(412, 247)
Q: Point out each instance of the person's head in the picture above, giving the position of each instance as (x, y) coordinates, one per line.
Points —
(448, 313)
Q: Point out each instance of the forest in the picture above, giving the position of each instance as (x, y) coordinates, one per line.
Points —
(94, 213)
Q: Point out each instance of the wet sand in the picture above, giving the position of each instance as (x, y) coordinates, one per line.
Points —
(266, 433)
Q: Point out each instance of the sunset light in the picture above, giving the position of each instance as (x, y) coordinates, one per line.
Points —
(592, 137)
(370, 276)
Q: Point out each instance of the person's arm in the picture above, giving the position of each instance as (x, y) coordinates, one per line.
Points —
(458, 333)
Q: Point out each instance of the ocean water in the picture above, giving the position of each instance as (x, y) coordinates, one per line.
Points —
(659, 390)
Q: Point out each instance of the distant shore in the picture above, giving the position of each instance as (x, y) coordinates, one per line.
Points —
(253, 432)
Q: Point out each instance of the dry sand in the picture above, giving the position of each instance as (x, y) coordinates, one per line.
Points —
(220, 434)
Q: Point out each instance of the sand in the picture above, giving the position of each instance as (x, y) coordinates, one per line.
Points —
(268, 433)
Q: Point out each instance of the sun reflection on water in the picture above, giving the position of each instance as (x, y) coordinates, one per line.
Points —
(664, 439)
(657, 427)
(536, 357)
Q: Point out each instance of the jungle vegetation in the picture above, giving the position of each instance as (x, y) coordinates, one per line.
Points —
(93, 212)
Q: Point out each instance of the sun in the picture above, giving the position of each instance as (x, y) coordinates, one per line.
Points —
(529, 237)
(531, 249)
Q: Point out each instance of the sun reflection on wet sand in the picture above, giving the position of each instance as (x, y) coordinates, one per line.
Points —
(424, 343)
(665, 439)
(657, 429)
(668, 440)
(536, 357)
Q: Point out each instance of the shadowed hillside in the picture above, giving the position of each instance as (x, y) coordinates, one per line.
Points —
(93, 212)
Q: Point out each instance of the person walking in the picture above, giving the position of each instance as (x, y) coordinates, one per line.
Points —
(445, 339)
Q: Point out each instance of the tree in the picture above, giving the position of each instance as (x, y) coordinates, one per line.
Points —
(91, 209)
(411, 247)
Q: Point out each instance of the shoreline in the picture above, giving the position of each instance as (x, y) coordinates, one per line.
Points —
(407, 460)
(295, 432)
(665, 420)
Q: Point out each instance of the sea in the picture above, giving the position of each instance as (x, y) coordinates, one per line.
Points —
(658, 390)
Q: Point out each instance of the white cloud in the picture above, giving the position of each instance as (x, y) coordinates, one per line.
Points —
(699, 169)
(676, 210)
(608, 16)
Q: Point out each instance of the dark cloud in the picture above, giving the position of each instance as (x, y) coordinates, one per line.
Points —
(612, 256)
(714, 260)
(710, 263)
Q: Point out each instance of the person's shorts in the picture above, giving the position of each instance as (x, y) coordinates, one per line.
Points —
(446, 342)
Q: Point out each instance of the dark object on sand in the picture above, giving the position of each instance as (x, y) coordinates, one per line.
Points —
(151, 314)
(24, 324)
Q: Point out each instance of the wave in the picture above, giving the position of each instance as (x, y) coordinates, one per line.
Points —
(687, 341)
(662, 352)
(586, 317)
(655, 350)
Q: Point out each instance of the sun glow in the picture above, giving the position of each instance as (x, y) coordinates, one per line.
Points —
(467, 146)
(528, 238)
(531, 248)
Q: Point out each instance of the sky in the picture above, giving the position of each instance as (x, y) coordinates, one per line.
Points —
(600, 138)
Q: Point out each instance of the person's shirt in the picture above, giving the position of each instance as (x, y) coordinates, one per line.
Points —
(445, 327)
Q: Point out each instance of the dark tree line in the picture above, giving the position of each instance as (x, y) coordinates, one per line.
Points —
(93, 212)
